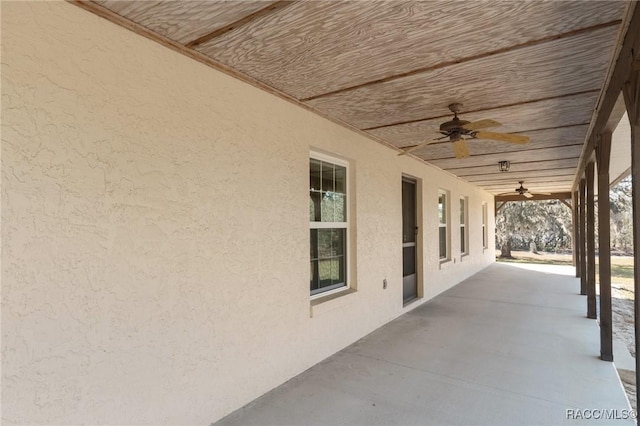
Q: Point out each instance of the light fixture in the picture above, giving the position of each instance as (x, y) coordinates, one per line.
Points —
(504, 166)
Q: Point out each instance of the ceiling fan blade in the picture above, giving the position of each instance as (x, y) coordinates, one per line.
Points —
(416, 147)
(460, 148)
(540, 193)
(528, 195)
(502, 137)
(481, 124)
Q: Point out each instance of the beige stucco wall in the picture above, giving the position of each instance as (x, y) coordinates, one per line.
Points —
(155, 230)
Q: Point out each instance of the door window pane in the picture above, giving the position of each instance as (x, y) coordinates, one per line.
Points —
(443, 242)
(408, 212)
(408, 261)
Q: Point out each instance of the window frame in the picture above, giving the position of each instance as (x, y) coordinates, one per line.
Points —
(445, 225)
(335, 225)
(485, 235)
(464, 225)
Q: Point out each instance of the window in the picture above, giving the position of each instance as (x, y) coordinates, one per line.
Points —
(484, 226)
(464, 249)
(328, 224)
(443, 234)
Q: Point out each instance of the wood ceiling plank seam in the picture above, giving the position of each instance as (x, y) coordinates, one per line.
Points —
(543, 179)
(527, 183)
(514, 151)
(498, 175)
(182, 21)
(109, 15)
(565, 111)
(510, 190)
(468, 59)
(553, 196)
(628, 38)
(369, 40)
(531, 73)
(479, 156)
(493, 159)
(271, 8)
(534, 134)
(548, 98)
(544, 129)
(556, 161)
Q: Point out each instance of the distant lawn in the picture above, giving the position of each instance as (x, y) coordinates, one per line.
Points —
(621, 266)
(519, 259)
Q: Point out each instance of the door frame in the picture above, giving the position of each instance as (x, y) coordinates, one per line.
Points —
(419, 237)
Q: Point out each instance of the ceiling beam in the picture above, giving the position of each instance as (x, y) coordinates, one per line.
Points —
(469, 58)
(519, 174)
(493, 158)
(566, 203)
(239, 23)
(548, 98)
(529, 180)
(612, 88)
(536, 197)
(517, 166)
(109, 15)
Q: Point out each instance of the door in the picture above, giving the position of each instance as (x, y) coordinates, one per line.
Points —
(409, 248)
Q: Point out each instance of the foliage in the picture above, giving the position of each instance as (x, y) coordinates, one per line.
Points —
(621, 217)
(535, 225)
(547, 226)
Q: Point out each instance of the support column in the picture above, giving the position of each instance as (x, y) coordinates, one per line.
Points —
(603, 154)
(635, 197)
(582, 227)
(576, 229)
(591, 244)
(631, 92)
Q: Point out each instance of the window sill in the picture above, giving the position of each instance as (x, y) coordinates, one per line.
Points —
(463, 256)
(445, 263)
(330, 302)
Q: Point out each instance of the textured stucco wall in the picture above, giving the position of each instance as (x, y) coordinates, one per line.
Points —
(155, 230)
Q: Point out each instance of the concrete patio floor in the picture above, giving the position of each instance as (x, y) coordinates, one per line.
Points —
(510, 345)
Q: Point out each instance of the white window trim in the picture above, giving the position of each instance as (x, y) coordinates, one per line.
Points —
(465, 215)
(485, 234)
(447, 208)
(346, 225)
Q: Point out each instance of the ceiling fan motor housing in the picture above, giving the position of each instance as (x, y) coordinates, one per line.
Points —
(454, 125)
(521, 190)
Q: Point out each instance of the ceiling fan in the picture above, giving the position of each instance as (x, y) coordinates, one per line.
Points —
(521, 190)
(460, 131)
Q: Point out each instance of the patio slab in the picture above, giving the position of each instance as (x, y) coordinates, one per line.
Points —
(510, 345)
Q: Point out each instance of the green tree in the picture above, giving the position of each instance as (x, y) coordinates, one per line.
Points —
(533, 225)
(621, 217)
(547, 226)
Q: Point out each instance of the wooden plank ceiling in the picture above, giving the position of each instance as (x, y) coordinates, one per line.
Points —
(391, 68)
